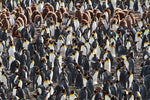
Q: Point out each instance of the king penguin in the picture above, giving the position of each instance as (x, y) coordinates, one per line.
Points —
(95, 76)
(14, 66)
(52, 57)
(37, 80)
(107, 64)
(79, 80)
(11, 49)
(46, 82)
(83, 95)
(1, 46)
(143, 91)
(71, 6)
(73, 95)
(4, 78)
(63, 50)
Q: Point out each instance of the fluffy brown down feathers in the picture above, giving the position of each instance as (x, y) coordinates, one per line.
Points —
(129, 21)
(53, 15)
(38, 18)
(36, 12)
(44, 12)
(78, 14)
(5, 24)
(14, 30)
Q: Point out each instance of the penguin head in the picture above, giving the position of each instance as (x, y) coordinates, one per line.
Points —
(72, 92)
(130, 93)
(125, 93)
(65, 66)
(43, 60)
(62, 73)
(66, 59)
(17, 65)
(109, 52)
(11, 44)
(104, 71)
(1, 84)
(147, 30)
(63, 91)
(134, 81)
(75, 19)
(141, 83)
(128, 57)
(85, 74)
(2, 73)
(22, 68)
(144, 48)
(85, 88)
(46, 79)
(51, 84)
(0, 63)
(36, 68)
(1, 40)
(36, 73)
(16, 73)
(112, 44)
(51, 51)
(41, 70)
(138, 35)
(89, 78)
(19, 77)
(112, 74)
(117, 81)
(18, 88)
(73, 53)
(113, 98)
(35, 52)
(107, 59)
(128, 72)
(34, 43)
(142, 64)
(106, 93)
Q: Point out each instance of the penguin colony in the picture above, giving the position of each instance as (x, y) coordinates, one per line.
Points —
(85, 50)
